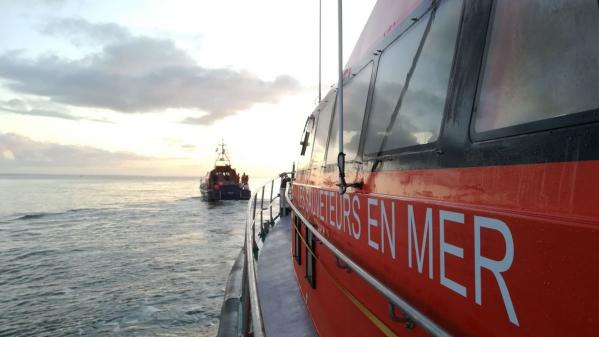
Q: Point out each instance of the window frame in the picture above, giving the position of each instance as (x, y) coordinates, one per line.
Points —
(552, 123)
(324, 104)
(367, 104)
(307, 160)
(392, 154)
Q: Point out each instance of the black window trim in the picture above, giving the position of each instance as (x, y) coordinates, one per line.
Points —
(553, 123)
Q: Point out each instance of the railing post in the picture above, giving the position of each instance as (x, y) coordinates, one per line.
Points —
(254, 245)
(272, 185)
(254, 210)
(261, 215)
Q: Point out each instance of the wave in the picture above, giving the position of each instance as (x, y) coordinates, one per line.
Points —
(190, 198)
(32, 216)
(30, 254)
(195, 311)
(82, 210)
(39, 215)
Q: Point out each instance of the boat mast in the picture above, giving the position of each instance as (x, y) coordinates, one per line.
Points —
(222, 154)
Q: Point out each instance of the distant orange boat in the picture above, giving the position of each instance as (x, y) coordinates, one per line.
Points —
(223, 182)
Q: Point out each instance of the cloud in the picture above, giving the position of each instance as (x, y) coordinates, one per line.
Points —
(42, 108)
(81, 31)
(8, 155)
(189, 147)
(54, 2)
(137, 74)
(19, 154)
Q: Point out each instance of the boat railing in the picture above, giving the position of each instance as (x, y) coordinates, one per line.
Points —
(411, 314)
(259, 220)
(251, 315)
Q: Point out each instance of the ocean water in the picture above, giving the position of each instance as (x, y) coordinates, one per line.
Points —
(113, 256)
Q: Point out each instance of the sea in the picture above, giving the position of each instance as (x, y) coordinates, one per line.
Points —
(113, 256)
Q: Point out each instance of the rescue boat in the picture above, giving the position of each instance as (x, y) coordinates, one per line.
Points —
(460, 197)
(223, 182)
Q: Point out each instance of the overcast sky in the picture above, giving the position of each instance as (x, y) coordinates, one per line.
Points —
(150, 87)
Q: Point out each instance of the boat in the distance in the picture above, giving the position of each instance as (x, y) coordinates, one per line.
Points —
(223, 182)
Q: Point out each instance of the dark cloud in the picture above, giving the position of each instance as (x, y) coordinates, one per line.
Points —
(21, 154)
(137, 74)
(40, 108)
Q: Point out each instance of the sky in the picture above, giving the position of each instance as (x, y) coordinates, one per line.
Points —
(151, 87)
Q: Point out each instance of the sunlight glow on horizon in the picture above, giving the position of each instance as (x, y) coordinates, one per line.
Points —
(248, 39)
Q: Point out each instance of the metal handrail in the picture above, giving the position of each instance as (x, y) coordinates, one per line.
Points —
(250, 261)
(414, 314)
(251, 250)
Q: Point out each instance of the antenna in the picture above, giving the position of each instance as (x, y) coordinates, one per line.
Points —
(319, 51)
(341, 155)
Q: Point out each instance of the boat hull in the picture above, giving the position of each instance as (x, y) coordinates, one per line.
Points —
(226, 192)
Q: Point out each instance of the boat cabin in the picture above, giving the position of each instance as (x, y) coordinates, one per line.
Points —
(471, 133)
(470, 202)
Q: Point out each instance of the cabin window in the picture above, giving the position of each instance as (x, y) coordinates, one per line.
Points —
(322, 131)
(304, 161)
(297, 240)
(310, 259)
(542, 61)
(355, 93)
(412, 82)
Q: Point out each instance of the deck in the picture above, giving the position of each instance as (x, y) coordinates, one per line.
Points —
(283, 310)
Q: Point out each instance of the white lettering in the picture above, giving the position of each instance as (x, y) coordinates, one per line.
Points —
(346, 208)
(355, 209)
(413, 236)
(312, 201)
(372, 222)
(321, 204)
(338, 211)
(449, 249)
(331, 209)
(496, 267)
(385, 227)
